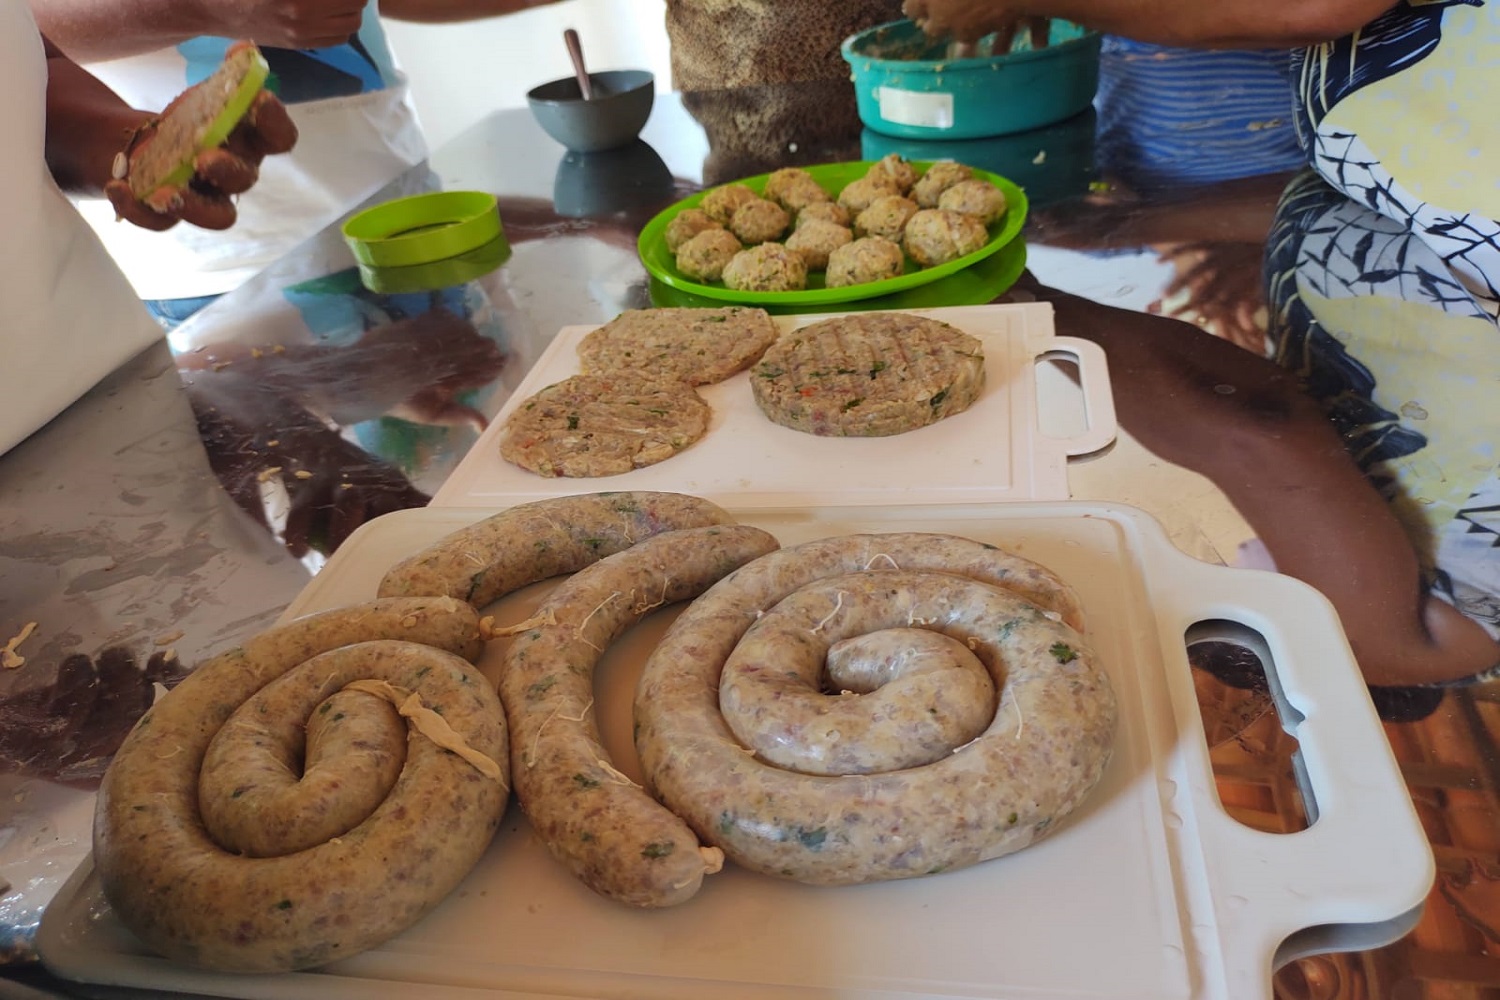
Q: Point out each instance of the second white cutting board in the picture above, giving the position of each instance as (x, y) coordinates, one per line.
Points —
(994, 451)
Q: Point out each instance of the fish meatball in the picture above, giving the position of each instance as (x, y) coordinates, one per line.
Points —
(857, 195)
(722, 202)
(685, 225)
(886, 217)
(934, 236)
(704, 256)
(823, 211)
(939, 177)
(980, 199)
(873, 258)
(895, 167)
(759, 221)
(816, 240)
(769, 267)
(794, 189)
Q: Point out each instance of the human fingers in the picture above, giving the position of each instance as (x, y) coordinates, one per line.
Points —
(267, 129)
(224, 172)
(135, 212)
(205, 209)
(1040, 29)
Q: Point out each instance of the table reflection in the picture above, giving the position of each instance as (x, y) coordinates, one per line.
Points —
(317, 397)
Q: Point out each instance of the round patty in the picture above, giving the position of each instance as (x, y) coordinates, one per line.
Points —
(602, 425)
(868, 375)
(697, 346)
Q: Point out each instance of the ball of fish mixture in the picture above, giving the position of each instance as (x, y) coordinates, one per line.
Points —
(703, 257)
(873, 258)
(980, 199)
(934, 236)
(794, 189)
(770, 267)
(895, 167)
(721, 202)
(685, 225)
(857, 195)
(939, 177)
(759, 221)
(816, 240)
(886, 217)
(823, 211)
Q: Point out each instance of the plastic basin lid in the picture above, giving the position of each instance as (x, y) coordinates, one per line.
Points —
(423, 228)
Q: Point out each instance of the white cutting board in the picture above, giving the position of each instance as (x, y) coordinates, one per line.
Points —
(995, 450)
(1148, 892)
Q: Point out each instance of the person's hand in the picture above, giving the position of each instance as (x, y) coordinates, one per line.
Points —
(289, 24)
(206, 200)
(967, 21)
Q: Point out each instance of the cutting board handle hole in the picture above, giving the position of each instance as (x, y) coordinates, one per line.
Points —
(1250, 729)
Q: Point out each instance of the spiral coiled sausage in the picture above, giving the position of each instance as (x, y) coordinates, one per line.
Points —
(774, 621)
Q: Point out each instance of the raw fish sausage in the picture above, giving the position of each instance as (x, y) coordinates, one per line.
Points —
(541, 539)
(602, 826)
(1043, 752)
(276, 897)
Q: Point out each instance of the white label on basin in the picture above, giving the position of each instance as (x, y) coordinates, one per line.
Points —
(914, 107)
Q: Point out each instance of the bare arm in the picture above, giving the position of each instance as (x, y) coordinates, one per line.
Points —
(446, 11)
(87, 124)
(1187, 23)
(90, 30)
(1245, 424)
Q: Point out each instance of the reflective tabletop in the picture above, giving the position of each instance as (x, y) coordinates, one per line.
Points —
(182, 504)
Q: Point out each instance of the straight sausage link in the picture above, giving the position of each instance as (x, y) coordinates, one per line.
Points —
(609, 832)
(196, 901)
(542, 539)
(1045, 749)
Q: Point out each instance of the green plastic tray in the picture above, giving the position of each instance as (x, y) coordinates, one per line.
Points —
(660, 262)
(978, 285)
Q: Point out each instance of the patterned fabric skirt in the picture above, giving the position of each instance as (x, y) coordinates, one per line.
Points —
(1405, 359)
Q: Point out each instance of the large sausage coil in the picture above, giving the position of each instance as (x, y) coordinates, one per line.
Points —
(226, 839)
(790, 778)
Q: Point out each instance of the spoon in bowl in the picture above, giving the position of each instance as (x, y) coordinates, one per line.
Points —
(575, 52)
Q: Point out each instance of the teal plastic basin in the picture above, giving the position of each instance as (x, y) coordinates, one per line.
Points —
(907, 87)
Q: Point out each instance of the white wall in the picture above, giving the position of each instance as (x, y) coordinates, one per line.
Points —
(460, 72)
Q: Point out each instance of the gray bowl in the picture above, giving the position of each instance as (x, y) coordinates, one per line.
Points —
(622, 103)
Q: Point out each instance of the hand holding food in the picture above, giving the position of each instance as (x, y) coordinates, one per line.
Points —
(967, 21)
(207, 146)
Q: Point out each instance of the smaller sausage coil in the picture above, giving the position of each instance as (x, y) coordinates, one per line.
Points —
(791, 717)
(309, 794)
(593, 819)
